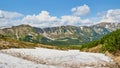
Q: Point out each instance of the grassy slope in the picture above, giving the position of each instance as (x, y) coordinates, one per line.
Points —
(6, 43)
(109, 42)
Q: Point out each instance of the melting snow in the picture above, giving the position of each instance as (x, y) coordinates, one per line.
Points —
(7, 61)
(71, 58)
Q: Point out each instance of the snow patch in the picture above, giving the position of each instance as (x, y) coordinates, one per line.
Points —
(7, 61)
(71, 58)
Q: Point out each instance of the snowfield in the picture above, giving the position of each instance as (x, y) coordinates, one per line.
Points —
(7, 61)
(51, 58)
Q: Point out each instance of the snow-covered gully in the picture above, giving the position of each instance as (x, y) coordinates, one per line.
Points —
(50, 58)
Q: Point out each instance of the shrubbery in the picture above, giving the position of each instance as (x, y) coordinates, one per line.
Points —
(110, 42)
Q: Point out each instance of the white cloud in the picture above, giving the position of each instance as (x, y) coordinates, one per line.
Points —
(70, 20)
(44, 19)
(9, 15)
(81, 10)
(9, 18)
(112, 15)
(74, 20)
(41, 20)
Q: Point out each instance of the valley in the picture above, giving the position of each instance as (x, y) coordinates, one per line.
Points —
(70, 56)
(59, 33)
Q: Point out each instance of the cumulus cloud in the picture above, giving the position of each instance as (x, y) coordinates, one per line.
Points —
(81, 10)
(70, 20)
(43, 19)
(112, 15)
(9, 18)
(74, 20)
(9, 15)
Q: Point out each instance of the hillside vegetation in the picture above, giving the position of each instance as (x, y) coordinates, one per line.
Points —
(109, 42)
(6, 43)
(60, 35)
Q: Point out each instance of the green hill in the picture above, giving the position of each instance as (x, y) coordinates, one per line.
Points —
(109, 42)
(6, 43)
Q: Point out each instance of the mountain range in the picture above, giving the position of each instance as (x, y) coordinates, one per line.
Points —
(60, 35)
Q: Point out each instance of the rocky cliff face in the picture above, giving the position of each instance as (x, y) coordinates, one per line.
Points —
(73, 34)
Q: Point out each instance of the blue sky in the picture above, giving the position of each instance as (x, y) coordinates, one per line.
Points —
(58, 8)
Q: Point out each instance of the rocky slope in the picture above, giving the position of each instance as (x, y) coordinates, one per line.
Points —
(63, 34)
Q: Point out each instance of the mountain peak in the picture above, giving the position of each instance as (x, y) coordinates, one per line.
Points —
(22, 25)
(81, 34)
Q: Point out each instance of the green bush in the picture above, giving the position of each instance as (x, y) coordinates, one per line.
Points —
(110, 42)
(90, 44)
